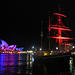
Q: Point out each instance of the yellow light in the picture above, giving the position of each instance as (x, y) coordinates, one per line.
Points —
(22, 52)
(29, 51)
(45, 54)
(51, 53)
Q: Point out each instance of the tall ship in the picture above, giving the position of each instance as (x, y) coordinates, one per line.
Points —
(57, 32)
(51, 62)
(59, 28)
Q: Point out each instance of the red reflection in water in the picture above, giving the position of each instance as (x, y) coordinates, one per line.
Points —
(64, 73)
(19, 71)
(10, 64)
(11, 59)
(6, 60)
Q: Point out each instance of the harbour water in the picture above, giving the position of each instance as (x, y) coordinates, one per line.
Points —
(15, 64)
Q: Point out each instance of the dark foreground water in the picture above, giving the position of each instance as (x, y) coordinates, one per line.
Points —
(54, 65)
(15, 64)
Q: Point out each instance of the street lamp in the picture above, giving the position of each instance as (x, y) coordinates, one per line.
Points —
(33, 47)
(73, 46)
(40, 49)
(56, 48)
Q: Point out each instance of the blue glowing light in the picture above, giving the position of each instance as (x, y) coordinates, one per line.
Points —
(12, 47)
(33, 47)
(5, 46)
(20, 49)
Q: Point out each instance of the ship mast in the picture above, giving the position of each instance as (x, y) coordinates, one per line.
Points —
(41, 35)
(59, 27)
(49, 32)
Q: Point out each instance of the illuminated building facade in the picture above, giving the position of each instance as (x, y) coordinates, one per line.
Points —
(5, 46)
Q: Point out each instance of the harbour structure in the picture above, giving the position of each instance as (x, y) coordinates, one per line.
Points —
(5, 47)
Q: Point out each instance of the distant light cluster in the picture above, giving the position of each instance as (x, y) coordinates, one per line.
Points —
(5, 46)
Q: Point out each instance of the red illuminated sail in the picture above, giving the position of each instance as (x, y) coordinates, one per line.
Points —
(59, 15)
(59, 27)
(62, 38)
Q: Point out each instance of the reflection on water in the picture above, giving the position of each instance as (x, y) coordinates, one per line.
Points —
(12, 63)
(54, 66)
(15, 64)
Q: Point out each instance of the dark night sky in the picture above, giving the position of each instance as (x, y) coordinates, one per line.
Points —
(23, 23)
